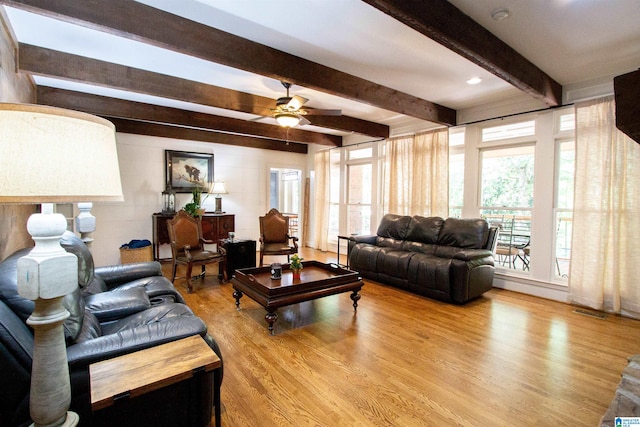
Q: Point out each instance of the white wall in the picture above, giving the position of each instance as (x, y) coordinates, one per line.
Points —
(244, 170)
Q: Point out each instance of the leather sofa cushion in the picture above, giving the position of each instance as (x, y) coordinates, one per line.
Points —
(389, 242)
(430, 271)
(394, 226)
(467, 233)
(90, 328)
(424, 248)
(161, 314)
(109, 306)
(424, 229)
(395, 264)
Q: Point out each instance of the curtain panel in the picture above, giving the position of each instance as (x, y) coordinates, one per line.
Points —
(605, 260)
(322, 167)
(417, 174)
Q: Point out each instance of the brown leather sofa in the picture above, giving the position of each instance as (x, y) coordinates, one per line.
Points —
(449, 260)
(114, 311)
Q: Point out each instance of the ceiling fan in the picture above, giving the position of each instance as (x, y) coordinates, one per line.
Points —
(289, 111)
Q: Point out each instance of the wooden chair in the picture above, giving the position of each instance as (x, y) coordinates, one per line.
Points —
(187, 247)
(274, 236)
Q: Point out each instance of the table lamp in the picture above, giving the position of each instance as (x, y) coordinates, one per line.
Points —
(218, 188)
(51, 155)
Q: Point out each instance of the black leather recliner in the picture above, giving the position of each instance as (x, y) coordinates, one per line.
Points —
(102, 325)
(93, 280)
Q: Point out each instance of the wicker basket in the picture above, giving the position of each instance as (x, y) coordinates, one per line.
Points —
(130, 255)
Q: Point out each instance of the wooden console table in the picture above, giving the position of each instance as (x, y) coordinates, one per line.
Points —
(132, 376)
(214, 227)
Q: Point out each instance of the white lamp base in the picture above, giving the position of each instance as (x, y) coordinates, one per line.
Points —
(45, 276)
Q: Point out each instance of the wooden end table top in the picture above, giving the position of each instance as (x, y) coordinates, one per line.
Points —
(143, 371)
(317, 280)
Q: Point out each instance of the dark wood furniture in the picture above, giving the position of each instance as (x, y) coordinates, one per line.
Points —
(187, 247)
(317, 280)
(120, 384)
(274, 236)
(241, 253)
(214, 227)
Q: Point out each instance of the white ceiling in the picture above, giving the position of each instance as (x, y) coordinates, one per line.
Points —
(573, 41)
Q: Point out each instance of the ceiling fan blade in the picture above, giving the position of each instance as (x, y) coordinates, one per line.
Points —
(320, 112)
(303, 121)
(296, 102)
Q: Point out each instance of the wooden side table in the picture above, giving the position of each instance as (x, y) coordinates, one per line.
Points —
(347, 238)
(139, 374)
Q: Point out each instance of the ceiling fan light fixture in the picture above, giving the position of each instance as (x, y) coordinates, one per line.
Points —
(287, 120)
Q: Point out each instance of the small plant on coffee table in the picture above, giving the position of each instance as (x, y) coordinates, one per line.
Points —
(295, 266)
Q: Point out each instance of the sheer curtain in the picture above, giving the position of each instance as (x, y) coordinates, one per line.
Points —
(417, 174)
(322, 167)
(605, 259)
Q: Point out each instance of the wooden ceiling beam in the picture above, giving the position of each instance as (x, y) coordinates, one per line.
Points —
(47, 62)
(443, 22)
(162, 29)
(120, 108)
(177, 132)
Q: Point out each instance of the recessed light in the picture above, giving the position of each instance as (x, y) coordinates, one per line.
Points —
(500, 14)
(474, 80)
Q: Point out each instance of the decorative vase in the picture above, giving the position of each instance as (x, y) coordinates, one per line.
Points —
(296, 273)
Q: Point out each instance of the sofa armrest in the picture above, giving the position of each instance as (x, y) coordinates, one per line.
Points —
(114, 275)
(109, 306)
(81, 355)
(472, 254)
(369, 239)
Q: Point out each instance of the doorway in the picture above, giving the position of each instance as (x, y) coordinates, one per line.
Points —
(285, 189)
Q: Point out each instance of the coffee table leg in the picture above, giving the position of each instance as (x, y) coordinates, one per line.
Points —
(237, 295)
(271, 318)
(355, 296)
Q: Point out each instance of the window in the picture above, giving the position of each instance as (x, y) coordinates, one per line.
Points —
(508, 131)
(506, 198)
(359, 191)
(564, 205)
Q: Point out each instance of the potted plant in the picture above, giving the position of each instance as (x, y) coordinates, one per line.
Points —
(296, 266)
(194, 207)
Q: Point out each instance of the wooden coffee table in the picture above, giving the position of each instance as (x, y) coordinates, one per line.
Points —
(316, 281)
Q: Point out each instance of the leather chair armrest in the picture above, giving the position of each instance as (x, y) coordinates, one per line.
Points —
(114, 275)
(109, 306)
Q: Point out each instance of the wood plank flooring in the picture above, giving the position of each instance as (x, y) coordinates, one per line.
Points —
(405, 360)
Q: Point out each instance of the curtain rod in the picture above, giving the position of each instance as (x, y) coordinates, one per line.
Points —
(515, 114)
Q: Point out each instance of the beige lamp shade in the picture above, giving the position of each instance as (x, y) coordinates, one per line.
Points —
(52, 155)
(218, 188)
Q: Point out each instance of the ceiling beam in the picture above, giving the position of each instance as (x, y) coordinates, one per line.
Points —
(120, 108)
(177, 132)
(46, 62)
(133, 20)
(444, 23)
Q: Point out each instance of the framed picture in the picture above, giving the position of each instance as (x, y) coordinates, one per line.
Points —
(186, 171)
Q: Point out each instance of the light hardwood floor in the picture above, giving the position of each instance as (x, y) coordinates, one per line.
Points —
(404, 360)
